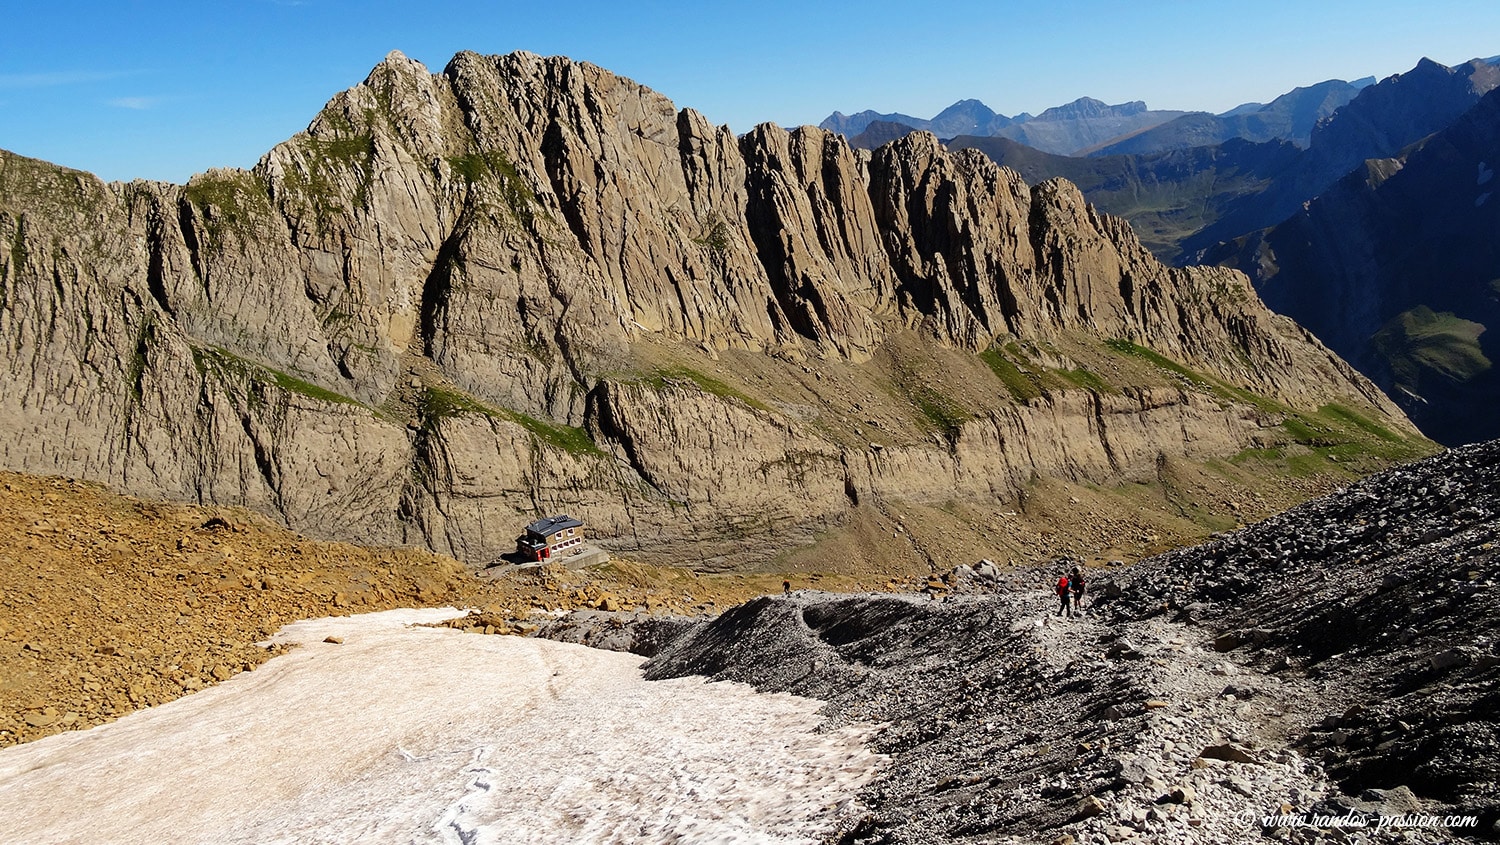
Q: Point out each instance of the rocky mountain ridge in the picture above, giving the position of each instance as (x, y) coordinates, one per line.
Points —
(527, 285)
(1381, 121)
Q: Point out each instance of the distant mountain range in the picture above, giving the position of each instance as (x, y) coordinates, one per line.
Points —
(1184, 201)
(1065, 130)
(1290, 117)
(965, 117)
(1091, 127)
(1370, 236)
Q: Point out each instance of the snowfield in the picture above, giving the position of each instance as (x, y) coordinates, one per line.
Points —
(416, 734)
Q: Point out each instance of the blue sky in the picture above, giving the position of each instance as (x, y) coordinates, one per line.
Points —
(162, 90)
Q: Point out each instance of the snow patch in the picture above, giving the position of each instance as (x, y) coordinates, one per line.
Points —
(417, 734)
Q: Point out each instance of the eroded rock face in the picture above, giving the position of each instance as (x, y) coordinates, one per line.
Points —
(420, 320)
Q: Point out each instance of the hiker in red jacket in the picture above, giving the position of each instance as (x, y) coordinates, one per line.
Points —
(1064, 595)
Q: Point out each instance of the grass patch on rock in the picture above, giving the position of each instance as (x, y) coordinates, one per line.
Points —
(1026, 379)
(1084, 379)
(1335, 439)
(1162, 362)
(334, 167)
(494, 168)
(706, 383)
(214, 360)
(939, 411)
(1314, 441)
(229, 201)
(1021, 386)
(439, 402)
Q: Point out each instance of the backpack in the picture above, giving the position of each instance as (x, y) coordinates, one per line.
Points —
(1062, 586)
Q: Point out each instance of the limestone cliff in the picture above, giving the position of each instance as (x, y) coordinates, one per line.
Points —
(461, 299)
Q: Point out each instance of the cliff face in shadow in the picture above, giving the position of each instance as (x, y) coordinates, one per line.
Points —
(1397, 268)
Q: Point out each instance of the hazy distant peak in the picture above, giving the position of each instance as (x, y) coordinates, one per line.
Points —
(964, 117)
(1088, 107)
(853, 124)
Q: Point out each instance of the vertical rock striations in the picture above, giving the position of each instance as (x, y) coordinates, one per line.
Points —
(459, 299)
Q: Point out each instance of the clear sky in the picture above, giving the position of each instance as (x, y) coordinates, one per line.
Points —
(164, 89)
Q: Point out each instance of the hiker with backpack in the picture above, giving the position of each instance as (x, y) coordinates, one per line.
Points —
(1064, 593)
(1076, 586)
